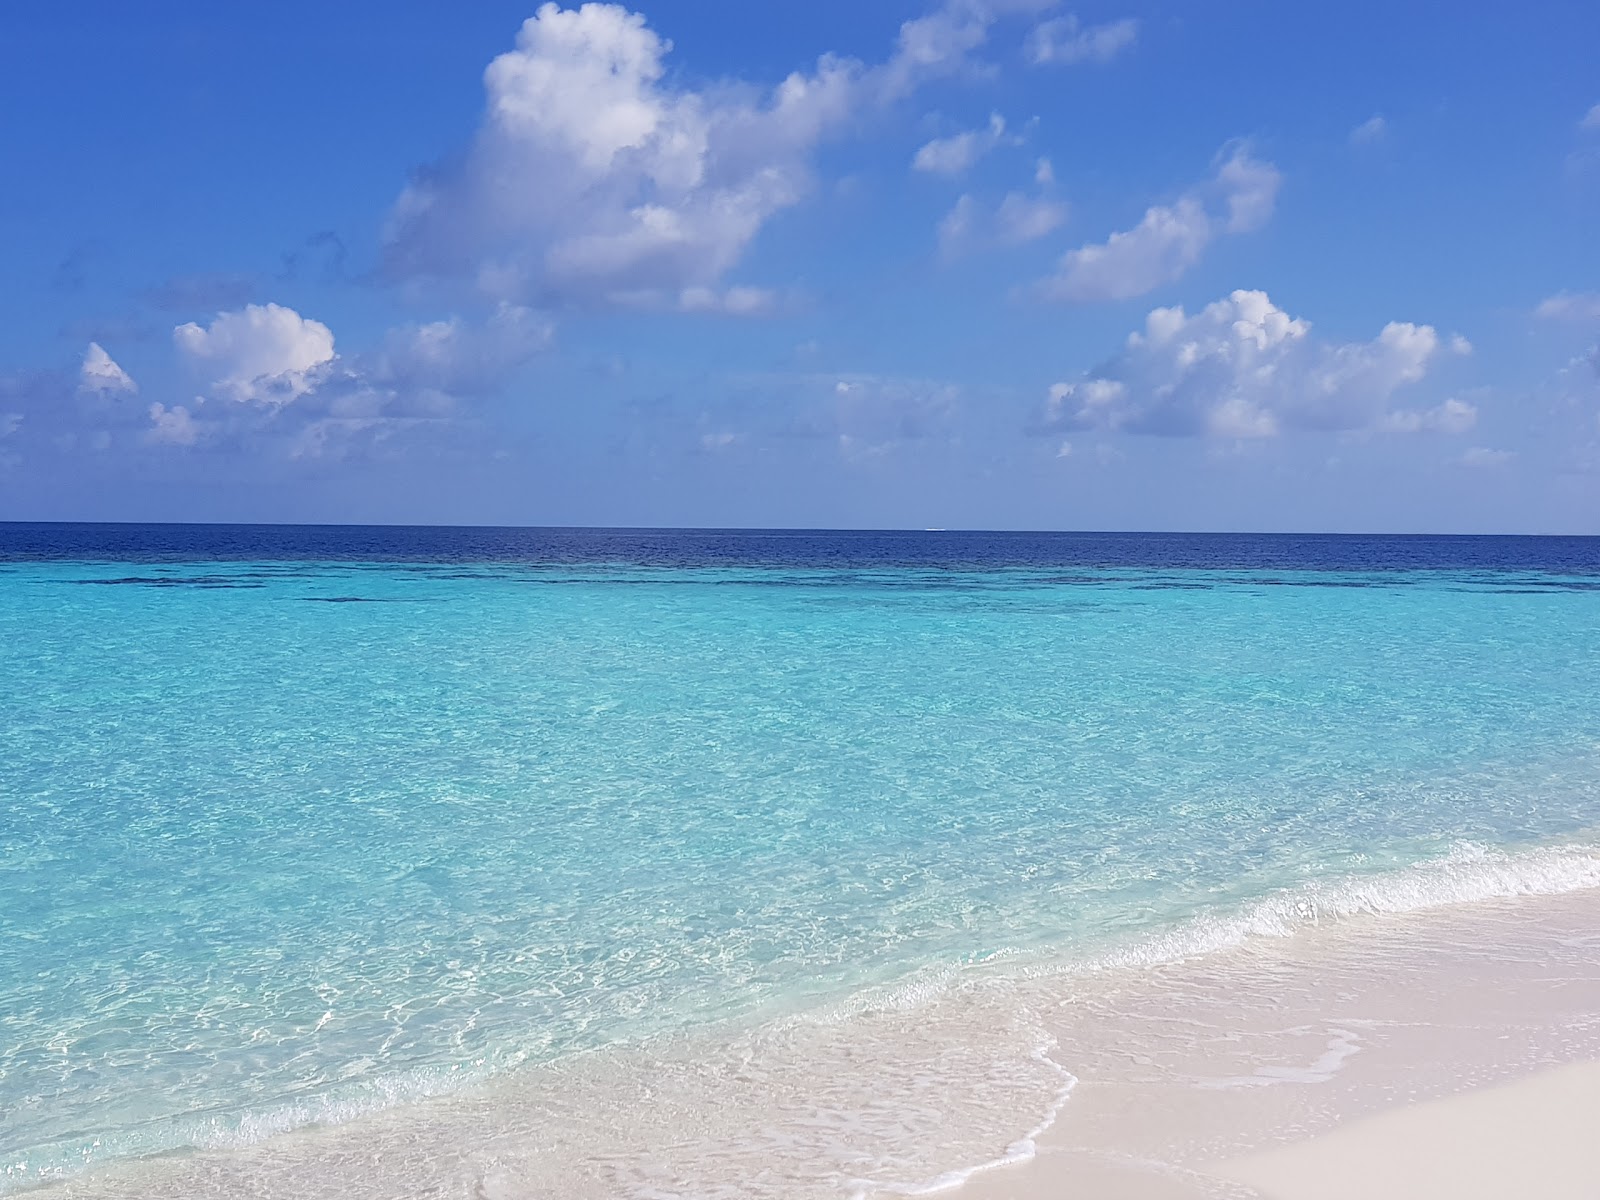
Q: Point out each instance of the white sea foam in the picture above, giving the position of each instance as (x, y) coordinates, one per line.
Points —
(233, 1131)
(1467, 874)
(1343, 1044)
(1020, 1151)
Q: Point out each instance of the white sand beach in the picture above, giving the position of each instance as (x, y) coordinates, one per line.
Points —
(1448, 1054)
(1532, 1137)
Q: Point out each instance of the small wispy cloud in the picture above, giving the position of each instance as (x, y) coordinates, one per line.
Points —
(173, 426)
(720, 440)
(1238, 198)
(1374, 129)
(737, 301)
(1019, 218)
(956, 154)
(1453, 416)
(1067, 40)
(1570, 306)
(956, 226)
(1483, 456)
(1022, 218)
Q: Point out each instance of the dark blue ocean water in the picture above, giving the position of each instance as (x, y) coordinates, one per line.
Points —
(794, 548)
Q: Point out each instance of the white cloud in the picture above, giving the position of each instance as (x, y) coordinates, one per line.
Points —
(954, 155)
(334, 437)
(592, 179)
(1591, 119)
(934, 45)
(453, 358)
(1452, 416)
(1023, 218)
(1067, 40)
(100, 374)
(1570, 306)
(733, 301)
(596, 178)
(867, 416)
(1250, 189)
(941, 43)
(1244, 368)
(1239, 198)
(956, 227)
(61, 410)
(1482, 456)
(1165, 244)
(175, 426)
(1019, 218)
(260, 354)
(414, 384)
(293, 390)
(1373, 129)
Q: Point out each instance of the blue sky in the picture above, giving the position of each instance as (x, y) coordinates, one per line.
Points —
(979, 263)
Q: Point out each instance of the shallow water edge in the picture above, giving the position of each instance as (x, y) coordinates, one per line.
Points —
(1273, 1023)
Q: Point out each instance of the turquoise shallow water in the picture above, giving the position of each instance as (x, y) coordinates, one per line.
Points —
(289, 838)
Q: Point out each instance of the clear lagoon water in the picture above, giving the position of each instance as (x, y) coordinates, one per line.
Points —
(299, 824)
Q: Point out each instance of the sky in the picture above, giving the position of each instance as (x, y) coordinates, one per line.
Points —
(983, 264)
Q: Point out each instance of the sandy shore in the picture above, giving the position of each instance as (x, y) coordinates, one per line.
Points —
(1533, 1137)
(1452, 1054)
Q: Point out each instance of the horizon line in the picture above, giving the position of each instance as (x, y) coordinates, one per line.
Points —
(787, 529)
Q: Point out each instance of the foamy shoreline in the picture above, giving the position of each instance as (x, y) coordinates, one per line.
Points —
(1123, 1078)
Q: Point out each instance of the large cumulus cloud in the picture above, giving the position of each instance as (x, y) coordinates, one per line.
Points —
(595, 178)
(1244, 368)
